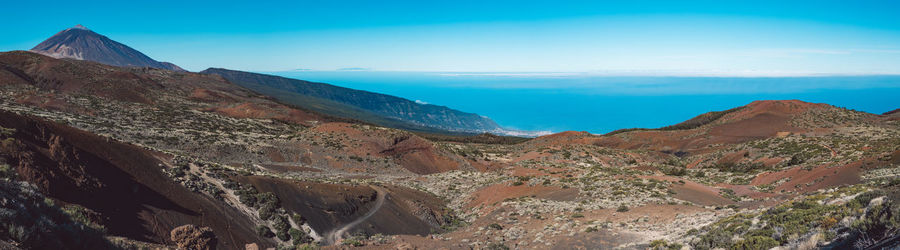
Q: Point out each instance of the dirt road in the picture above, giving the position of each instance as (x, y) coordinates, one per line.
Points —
(337, 235)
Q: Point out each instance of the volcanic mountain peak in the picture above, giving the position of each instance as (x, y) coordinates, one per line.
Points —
(79, 26)
(81, 43)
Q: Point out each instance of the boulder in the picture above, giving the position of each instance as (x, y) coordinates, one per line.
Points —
(194, 237)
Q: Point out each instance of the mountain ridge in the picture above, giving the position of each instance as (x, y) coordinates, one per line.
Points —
(365, 105)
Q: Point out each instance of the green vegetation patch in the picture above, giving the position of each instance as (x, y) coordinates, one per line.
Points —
(664, 245)
(793, 220)
(31, 221)
(4, 132)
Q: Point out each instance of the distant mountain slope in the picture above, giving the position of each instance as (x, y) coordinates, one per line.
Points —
(377, 108)
(83, 44)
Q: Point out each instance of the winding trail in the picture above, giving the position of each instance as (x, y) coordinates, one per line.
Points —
(337, 235)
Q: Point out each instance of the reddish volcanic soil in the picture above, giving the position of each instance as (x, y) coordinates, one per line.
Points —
(411, 152)
(419, 156)
(264, 111)
(732, 157)
(801, 180)
(206, 95)
(781, 107)
(694, 192)
(757, 127)
(494, 194)
(741, 190)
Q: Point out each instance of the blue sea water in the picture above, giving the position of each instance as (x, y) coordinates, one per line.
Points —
(558, 102)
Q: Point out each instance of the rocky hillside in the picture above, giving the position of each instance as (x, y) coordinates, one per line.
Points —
(143, 157)
(121, 188)
(177, 137)
(380, 109)
(81, 43)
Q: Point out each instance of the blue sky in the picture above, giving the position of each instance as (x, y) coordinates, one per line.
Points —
(752, 38)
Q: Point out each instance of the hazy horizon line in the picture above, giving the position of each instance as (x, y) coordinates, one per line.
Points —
(593, 73)
(600, 73)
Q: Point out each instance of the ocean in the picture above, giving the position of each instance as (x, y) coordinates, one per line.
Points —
(556, 102)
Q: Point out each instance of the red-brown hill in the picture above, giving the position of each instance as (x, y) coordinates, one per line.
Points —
(757, 120)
